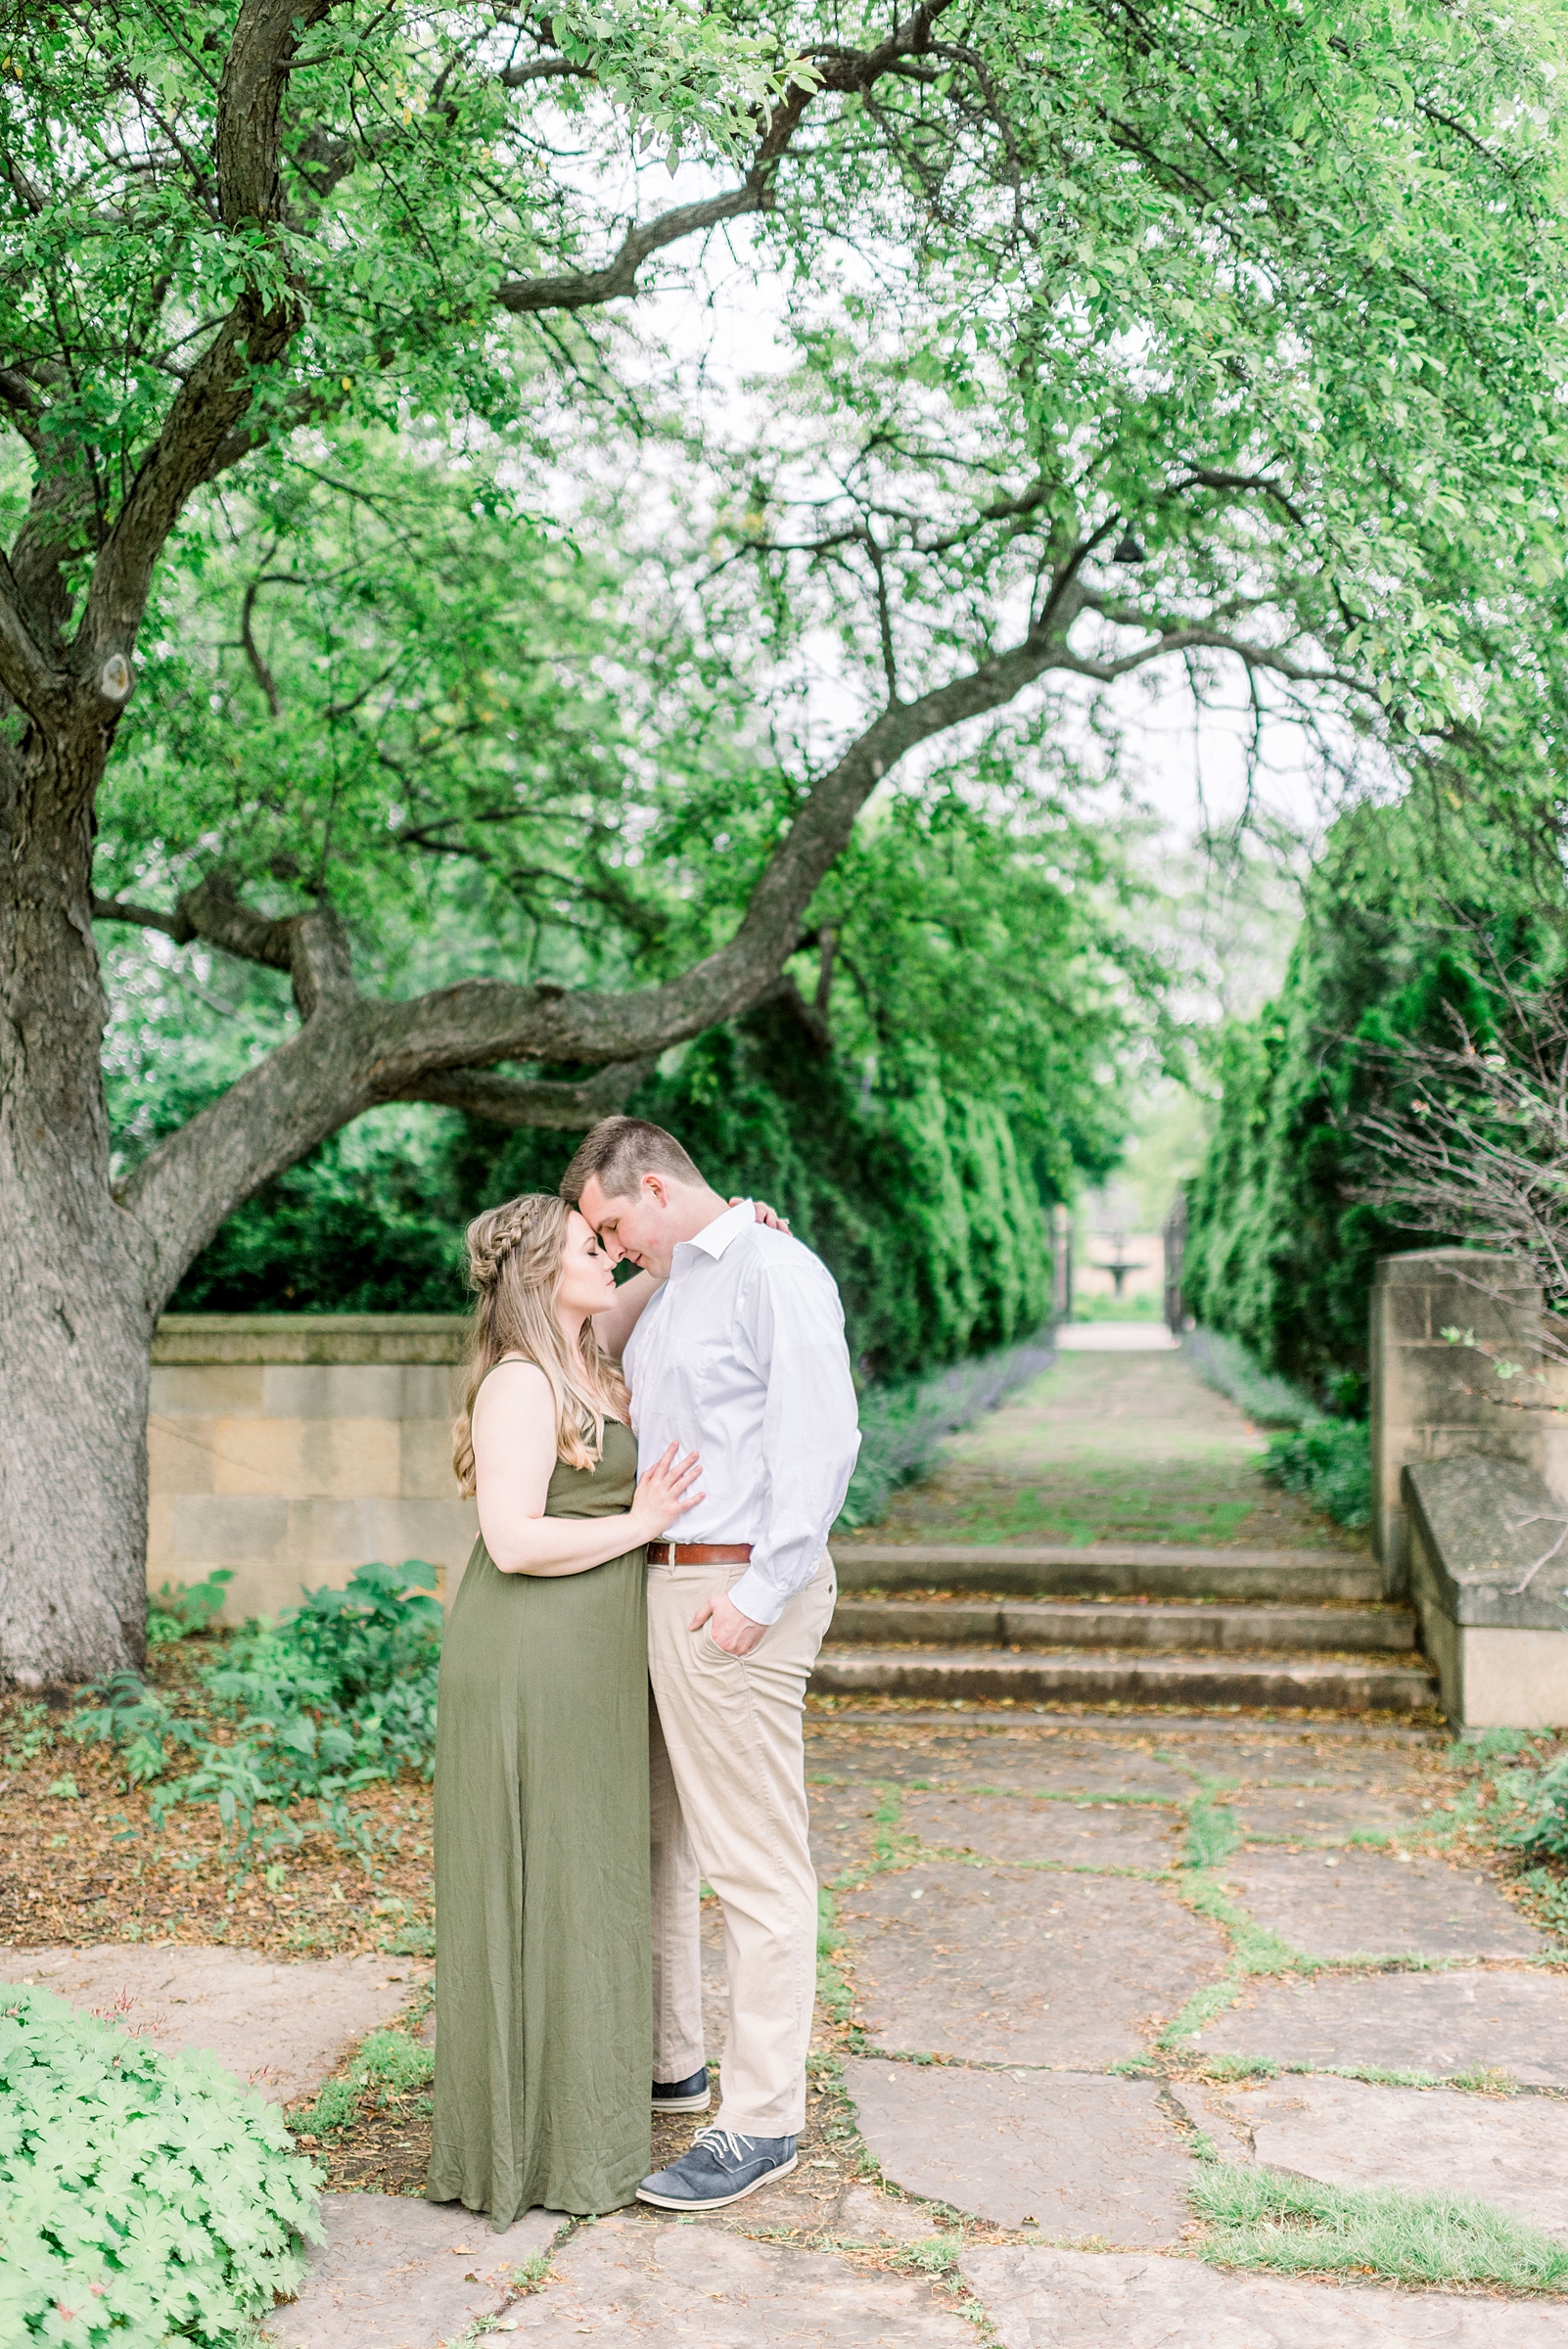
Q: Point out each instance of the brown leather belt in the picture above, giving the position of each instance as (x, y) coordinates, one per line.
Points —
(699, 1553)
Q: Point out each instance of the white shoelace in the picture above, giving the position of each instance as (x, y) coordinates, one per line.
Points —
(725, 2146)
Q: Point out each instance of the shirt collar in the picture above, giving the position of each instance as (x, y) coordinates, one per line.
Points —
(716, 1237)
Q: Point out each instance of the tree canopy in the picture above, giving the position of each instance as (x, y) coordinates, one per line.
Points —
(388, 614)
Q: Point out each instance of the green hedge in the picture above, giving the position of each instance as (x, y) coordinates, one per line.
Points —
(144, 2198)
(932, 1221)
(1278, 1254)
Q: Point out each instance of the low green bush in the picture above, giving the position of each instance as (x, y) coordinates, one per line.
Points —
(339, 1692)
(1330, 1461)
(144, 2198)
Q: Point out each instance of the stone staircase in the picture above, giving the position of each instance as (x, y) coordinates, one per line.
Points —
(1142, 1624)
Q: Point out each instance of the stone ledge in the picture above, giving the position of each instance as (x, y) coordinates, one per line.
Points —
(345, 1338)
(1467, 1515)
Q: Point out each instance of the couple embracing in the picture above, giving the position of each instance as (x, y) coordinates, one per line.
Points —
(657, 1466)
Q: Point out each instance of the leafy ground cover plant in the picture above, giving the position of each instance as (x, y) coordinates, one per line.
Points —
(1261, 2218)
(1324, 1457)
(143, 2198)
(901, 1427)
(1330, 1461)
(179, 1610)
(338, 1693)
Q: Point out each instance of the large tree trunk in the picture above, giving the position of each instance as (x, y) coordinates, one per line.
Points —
(75, 1318)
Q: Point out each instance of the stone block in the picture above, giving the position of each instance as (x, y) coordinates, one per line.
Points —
(352, 1338)
(348, 1459)
(1364, 1904)
(217, 1529)
(213, 1392)
(1512, 1679)
(684, 2286)
(1077, 2300)
(999, 1965)
(1077, 1834)
(179, 1453)
(1075, 2155)
(277, 1547)
(1425, 1394)
(398, 2273)
(281, 2028)
(1513, 2021)
(1490, 1592)
(355, 1391)
(1511, 2152)
(425, 1469)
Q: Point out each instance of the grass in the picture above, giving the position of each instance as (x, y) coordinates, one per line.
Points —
(1288, 2225)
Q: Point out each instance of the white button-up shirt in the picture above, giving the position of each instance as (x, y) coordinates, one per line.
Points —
(740, 1356)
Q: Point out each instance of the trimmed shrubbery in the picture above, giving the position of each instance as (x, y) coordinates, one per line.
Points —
(144, 2198)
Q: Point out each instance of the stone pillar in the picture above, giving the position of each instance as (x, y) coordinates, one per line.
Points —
(1430, 1397)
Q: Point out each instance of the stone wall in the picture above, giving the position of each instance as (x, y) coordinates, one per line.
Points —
(292, 1447)
(1432, 1399)
(1470, 1480)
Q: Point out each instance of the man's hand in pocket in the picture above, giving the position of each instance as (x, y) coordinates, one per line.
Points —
(733, 1631)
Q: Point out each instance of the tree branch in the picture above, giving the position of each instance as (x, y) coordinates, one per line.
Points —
(536, 1101)
(310, 947)
(34, 682)
(835, 69)
(217, 392)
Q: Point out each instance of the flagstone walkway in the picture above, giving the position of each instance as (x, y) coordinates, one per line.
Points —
(1073, 1969)
(1114, 1444)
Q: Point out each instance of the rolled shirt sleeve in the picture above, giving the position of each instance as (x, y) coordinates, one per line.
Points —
(790, 1324)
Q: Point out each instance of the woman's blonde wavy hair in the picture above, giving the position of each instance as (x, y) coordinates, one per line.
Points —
(515, 1256)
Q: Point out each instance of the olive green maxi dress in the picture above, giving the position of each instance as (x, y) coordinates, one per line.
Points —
(543, 2021)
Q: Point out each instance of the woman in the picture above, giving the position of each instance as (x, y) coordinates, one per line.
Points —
(542, 1997)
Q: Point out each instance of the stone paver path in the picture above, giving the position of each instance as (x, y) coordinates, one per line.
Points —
(1068, 1961)
(397, 2273)
(280, 2028)
(1109, 1447)
(1062, 2300)
(1512, 2153)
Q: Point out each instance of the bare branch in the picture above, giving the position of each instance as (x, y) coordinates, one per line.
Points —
(536, 1101)
(835, 69)
(144, 917)
(310, 947)
(582, 290)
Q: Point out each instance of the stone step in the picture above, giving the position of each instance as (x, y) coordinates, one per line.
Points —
(1124, 1677)
(1119, 1569)
(1070, 1623)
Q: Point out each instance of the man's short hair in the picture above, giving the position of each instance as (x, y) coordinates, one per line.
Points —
(619, 1152)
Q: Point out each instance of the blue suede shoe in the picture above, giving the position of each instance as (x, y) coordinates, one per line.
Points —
(682, 2096)
(720, 2169)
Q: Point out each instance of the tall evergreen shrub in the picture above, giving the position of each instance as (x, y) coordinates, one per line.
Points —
(1394, 940)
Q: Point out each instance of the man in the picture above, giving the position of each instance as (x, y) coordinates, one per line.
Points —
(739, 1357)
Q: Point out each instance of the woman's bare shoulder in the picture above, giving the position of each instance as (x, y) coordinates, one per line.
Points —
(513, 1381)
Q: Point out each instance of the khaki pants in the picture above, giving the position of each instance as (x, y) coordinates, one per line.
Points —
(728, 1796)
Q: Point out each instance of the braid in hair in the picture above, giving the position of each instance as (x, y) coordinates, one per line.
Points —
(515, 1254)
